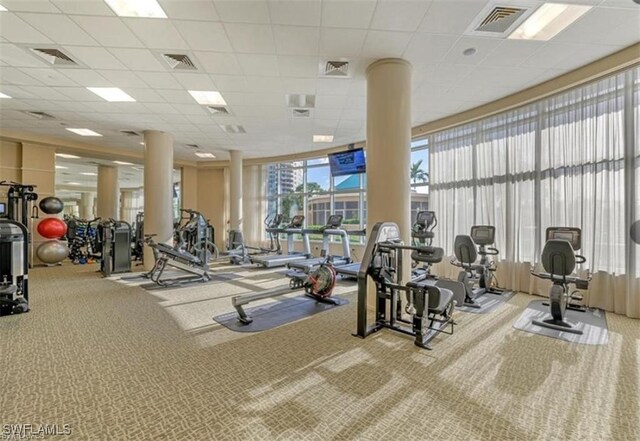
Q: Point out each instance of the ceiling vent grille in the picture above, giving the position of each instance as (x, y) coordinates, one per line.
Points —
(129, 133)
(218, 110)
(179, 62)
(193, 146)
(301, 113)
(54, 56)
(497, 21)
(232, 128)
(336, 69)
(38, 115)
(300, 101)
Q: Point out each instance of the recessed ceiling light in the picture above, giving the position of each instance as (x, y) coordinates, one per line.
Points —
(61, 167)
(89, 174)
(205, 155)
(84, 132)
(122, 163)
(208, 97)
(469, 51)
(322, 138)
(67, 156)
(2, 8)
(74, 183)
(548, 21)
(142, 143)
(111, 94)
(137, 8)
(2, 95)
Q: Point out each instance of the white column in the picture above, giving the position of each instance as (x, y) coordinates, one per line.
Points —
(389, 146)
(235, 191)
(86, 205)
(108, 192)
(158, 189)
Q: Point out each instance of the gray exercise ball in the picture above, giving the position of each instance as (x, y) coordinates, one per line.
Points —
(51, 205)
(52, 251)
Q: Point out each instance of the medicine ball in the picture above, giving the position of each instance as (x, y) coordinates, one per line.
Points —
(51, 205)
(52, 228)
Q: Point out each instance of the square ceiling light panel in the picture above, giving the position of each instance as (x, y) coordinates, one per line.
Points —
(81, 132)
(137, 8)
(111, 94)
(208, 97)
(548, 21)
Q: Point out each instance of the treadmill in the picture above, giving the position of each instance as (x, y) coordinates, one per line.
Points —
(332, 228)
(350, 270)
(275, 260)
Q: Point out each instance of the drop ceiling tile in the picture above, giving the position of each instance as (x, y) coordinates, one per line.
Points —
(79, 96)
(59, 28)
(615, 4)
(451, 17)
(83, 7)
(176, 96)
(298, 66)
(429, 49)
(251, 38)
(229, 83)
(189, 10)
(484, 47)
(17, 56)
(137, 59)
(46, 93)
(559, 55)
(336, 42)
(194, 81)
(156, 34)
(356, 102)
(258, 64)
(596, 27)
(258, 84)
(219, 63)
(332, 86)
(17, 30)
(205, 36)
(160, 108)
(109, 31)
(94, 57)
(144, 95)
(123, 78)
(160, 80)
(16, 92)
(512, 53)
(299, 85)
(394, 15)
(330, 101)
(30, 6)
(381, 44)
(296, 40)
(262, 111)
(243, 11)
(293, 12)
(48, 76)
(503, 76)
(87, 78)
(347, 14)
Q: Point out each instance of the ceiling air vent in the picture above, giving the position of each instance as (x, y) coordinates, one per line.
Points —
(497, 21)
(193, 146)
(232, 128)
(300, 100)
(301, 113)
(218, 110)
(38, 115)
(54, 56)
(129, 133)
(336, 69)
(179, 62)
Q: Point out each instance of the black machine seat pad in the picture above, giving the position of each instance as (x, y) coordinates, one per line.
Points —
(428, 254)
(439, 298)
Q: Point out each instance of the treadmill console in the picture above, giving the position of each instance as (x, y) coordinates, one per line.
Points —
(334, 221)
(483, 234)
(3, 209)
(296, 221)
(571, 235)
(425, 218)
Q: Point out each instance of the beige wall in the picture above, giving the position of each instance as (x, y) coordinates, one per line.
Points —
(189, 187)
(211, 201)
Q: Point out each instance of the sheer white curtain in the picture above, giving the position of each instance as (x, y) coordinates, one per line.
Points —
(570, 160)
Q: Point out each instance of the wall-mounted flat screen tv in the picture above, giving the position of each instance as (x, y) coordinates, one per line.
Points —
(350, 162)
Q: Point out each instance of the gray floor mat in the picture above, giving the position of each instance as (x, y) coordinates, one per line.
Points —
(488, 303)
(283, 311)
(593, 323)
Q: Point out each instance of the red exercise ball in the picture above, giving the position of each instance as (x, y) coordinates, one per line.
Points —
(52, 228)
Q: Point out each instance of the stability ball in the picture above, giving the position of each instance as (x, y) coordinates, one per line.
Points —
(52, 251)
(52, 228)
(51, 205)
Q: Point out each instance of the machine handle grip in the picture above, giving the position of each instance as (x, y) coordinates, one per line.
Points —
(492, 251)
(580, 259)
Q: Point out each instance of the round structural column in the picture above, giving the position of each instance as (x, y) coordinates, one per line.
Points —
(126, 202)
(86, 205)
(108, 192)
(235, 191)
(253, 206)
(158, 190)
(389, 146)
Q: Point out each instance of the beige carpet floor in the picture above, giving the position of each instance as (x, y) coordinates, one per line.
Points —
(116, 362)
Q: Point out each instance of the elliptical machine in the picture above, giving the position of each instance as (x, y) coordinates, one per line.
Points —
(422, 237)
(559, 261)
(480, 273)
(240, 253)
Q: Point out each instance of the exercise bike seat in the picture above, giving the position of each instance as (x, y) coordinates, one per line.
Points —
(439, 298)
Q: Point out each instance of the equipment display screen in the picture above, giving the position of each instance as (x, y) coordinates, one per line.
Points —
(347, 163)
(3, 208)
